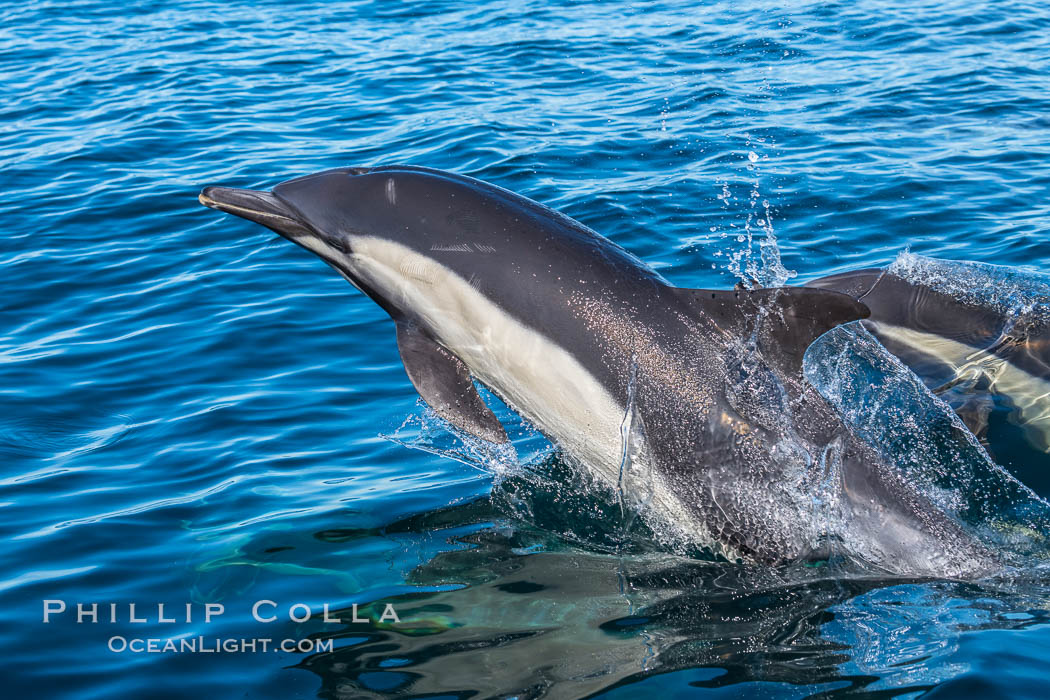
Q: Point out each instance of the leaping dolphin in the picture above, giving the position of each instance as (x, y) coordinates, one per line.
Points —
(961, 343)
(724, 442)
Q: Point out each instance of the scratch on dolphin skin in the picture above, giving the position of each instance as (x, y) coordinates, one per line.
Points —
(452, 248)
(419, 270)
(485, 248)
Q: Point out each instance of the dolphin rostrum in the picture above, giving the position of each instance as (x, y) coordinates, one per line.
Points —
(725, 446)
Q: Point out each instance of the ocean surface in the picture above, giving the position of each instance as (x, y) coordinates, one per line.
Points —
(193, 411)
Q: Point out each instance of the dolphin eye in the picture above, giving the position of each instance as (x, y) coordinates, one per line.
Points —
(339, 244)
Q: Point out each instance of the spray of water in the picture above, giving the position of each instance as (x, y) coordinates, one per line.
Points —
(756, 261)
(890, 408)
(1018, 293)
(635, 483)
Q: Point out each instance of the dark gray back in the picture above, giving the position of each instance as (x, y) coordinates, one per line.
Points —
(536, 264)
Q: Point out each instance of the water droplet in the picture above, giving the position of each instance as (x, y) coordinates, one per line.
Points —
(752, 156)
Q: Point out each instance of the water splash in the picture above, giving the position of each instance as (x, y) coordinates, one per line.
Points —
(635, 482)
(890, 408)
(766, 268)
(1010, 291)
(544, 490)
(428, 432)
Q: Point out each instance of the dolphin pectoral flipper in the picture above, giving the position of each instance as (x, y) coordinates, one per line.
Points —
(788, 319)
(444, 382)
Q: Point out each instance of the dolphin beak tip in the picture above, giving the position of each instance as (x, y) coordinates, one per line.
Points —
(205, 198)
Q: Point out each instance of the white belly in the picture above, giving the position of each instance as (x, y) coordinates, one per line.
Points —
(537, 377)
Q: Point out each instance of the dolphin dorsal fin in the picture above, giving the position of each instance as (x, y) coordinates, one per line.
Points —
(787, 319)
(444, 382)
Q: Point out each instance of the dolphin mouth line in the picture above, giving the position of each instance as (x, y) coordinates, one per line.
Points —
(261, 207)
(242, 211)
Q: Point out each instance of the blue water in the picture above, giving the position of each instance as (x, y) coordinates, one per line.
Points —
(194, 411)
